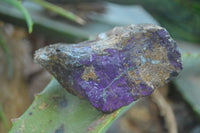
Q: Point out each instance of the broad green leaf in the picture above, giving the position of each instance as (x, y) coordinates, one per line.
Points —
(17, 4)
(55, 110)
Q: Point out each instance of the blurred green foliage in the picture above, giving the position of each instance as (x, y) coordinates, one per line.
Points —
(17, 4)
(180, 17)
(62, 12)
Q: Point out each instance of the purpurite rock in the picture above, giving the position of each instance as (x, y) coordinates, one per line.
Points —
(116, 68)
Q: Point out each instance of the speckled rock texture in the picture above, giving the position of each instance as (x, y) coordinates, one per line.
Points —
(117, 68)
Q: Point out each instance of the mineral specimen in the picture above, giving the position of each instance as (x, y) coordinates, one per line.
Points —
(117, 68)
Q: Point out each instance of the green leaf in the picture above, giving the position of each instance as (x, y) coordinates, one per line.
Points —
(63, 12)
(17, 4)
(55, 110)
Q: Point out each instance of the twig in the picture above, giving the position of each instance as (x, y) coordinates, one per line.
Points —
(166, 111)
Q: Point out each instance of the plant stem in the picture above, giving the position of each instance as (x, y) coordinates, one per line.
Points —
(3, 118)
(8, 56)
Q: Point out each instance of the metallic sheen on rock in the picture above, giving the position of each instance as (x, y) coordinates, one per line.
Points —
(116, 68)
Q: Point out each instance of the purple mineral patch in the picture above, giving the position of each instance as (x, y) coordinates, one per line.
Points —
(117, 68)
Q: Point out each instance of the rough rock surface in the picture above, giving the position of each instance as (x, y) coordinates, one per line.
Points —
(116, 68)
